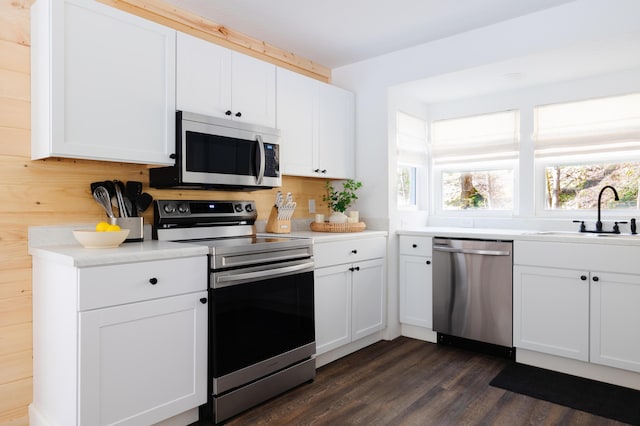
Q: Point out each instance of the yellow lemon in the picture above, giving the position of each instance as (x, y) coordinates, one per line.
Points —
(102, 226)
(112, 228)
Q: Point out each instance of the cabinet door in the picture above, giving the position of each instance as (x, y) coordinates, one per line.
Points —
(332, 307)
(416, 298)
(143, 362)
(253, 90)
(368, 298)
(203, 77)
(551, 311)
(615, 316)
(297, 120)
(103, 84)
(335, 132)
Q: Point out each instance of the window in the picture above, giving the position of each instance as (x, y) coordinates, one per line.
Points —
(583, 146)
(412, 157)
(474, 161)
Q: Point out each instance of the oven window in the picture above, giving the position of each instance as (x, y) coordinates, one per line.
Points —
(220, 154)
(258, 320)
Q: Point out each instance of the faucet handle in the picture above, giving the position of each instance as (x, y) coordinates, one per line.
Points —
(583, 228)
(616, 228)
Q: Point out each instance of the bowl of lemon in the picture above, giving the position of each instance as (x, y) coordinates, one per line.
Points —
(105, 235)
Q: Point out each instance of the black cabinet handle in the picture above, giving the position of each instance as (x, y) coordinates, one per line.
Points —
(238, 114)
(172, 156)
(203, 300)
(227, 112)
(354, 251)
(596, 279)
(583, 277)
(414, 245)
(428, 262)
(153, 281)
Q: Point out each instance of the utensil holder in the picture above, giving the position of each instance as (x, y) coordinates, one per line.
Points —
(277, 226)
(133, 224)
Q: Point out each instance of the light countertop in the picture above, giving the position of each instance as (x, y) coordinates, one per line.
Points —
(524, 235)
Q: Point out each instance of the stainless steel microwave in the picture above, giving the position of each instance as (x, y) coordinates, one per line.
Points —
(217, 153)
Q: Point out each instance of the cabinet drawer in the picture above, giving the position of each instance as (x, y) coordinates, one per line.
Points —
(349, 251)
(118, 284)
(416, 246)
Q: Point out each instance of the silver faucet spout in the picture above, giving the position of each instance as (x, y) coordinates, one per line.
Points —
(615, 193)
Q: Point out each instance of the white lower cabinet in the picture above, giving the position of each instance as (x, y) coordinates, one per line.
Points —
(143, 362)
(349, 296)
(578, 301)
(416, 298)
(121, 344)
(551, 311)
(615, 317)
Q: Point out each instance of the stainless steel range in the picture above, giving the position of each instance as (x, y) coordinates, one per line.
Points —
(261, 319)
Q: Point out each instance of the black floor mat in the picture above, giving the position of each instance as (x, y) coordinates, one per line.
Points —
(602, 399)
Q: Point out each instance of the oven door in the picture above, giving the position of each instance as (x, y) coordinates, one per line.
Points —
(262, 321)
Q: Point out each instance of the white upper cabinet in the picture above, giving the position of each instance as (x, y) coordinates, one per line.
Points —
(219, 82)
(103, 84)
(316, 121)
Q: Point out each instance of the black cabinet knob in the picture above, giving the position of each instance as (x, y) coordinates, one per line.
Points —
(428, 262)
(357, 268)
(153, 281)
(172, 156)
(238, 114)
(323, 171)
(227, 112)
(414, 245)
(203, 300)
(583, 277)
(316, 170)
(354, 251)
(596, 279)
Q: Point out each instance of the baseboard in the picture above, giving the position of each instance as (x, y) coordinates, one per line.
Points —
(420, 333)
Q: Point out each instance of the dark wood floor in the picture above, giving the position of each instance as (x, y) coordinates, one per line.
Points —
(410, 382)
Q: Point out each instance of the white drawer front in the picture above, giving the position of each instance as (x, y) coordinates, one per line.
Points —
(349, 251)
(118, 284)
(416, 246)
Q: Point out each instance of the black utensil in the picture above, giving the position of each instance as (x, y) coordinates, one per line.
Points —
(143, 201)
(133, 190)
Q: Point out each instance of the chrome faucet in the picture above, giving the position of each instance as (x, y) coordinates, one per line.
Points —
(615, 193)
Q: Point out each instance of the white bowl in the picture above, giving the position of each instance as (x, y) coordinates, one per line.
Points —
(94, 239)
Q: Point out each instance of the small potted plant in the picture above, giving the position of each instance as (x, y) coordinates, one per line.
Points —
(340, 201)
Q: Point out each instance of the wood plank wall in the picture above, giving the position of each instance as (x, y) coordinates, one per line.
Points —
(56, 191)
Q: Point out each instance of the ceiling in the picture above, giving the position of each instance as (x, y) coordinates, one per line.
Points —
(334, 33)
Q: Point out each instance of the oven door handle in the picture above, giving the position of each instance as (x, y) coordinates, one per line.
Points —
(264, 274)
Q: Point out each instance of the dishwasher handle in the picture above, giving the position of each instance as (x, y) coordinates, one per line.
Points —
(472, 251)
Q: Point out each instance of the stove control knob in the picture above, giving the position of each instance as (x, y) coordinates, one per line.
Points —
(183, 208)
(249, 208)
(169, 208)
(238, 207)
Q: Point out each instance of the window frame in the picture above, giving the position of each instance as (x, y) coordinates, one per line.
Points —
(540, 164)
(437, 193)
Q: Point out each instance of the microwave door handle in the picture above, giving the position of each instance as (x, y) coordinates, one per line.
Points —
(262, 160)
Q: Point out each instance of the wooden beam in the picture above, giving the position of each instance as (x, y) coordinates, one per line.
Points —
(171, 16)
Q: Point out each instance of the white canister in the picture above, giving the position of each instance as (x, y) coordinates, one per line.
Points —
(319, 218)
(354, 216)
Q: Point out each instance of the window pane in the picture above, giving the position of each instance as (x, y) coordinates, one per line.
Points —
(576, 187)
(406, 186)
(486, 190)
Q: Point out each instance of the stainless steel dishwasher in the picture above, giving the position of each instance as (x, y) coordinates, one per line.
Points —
(472, 290)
